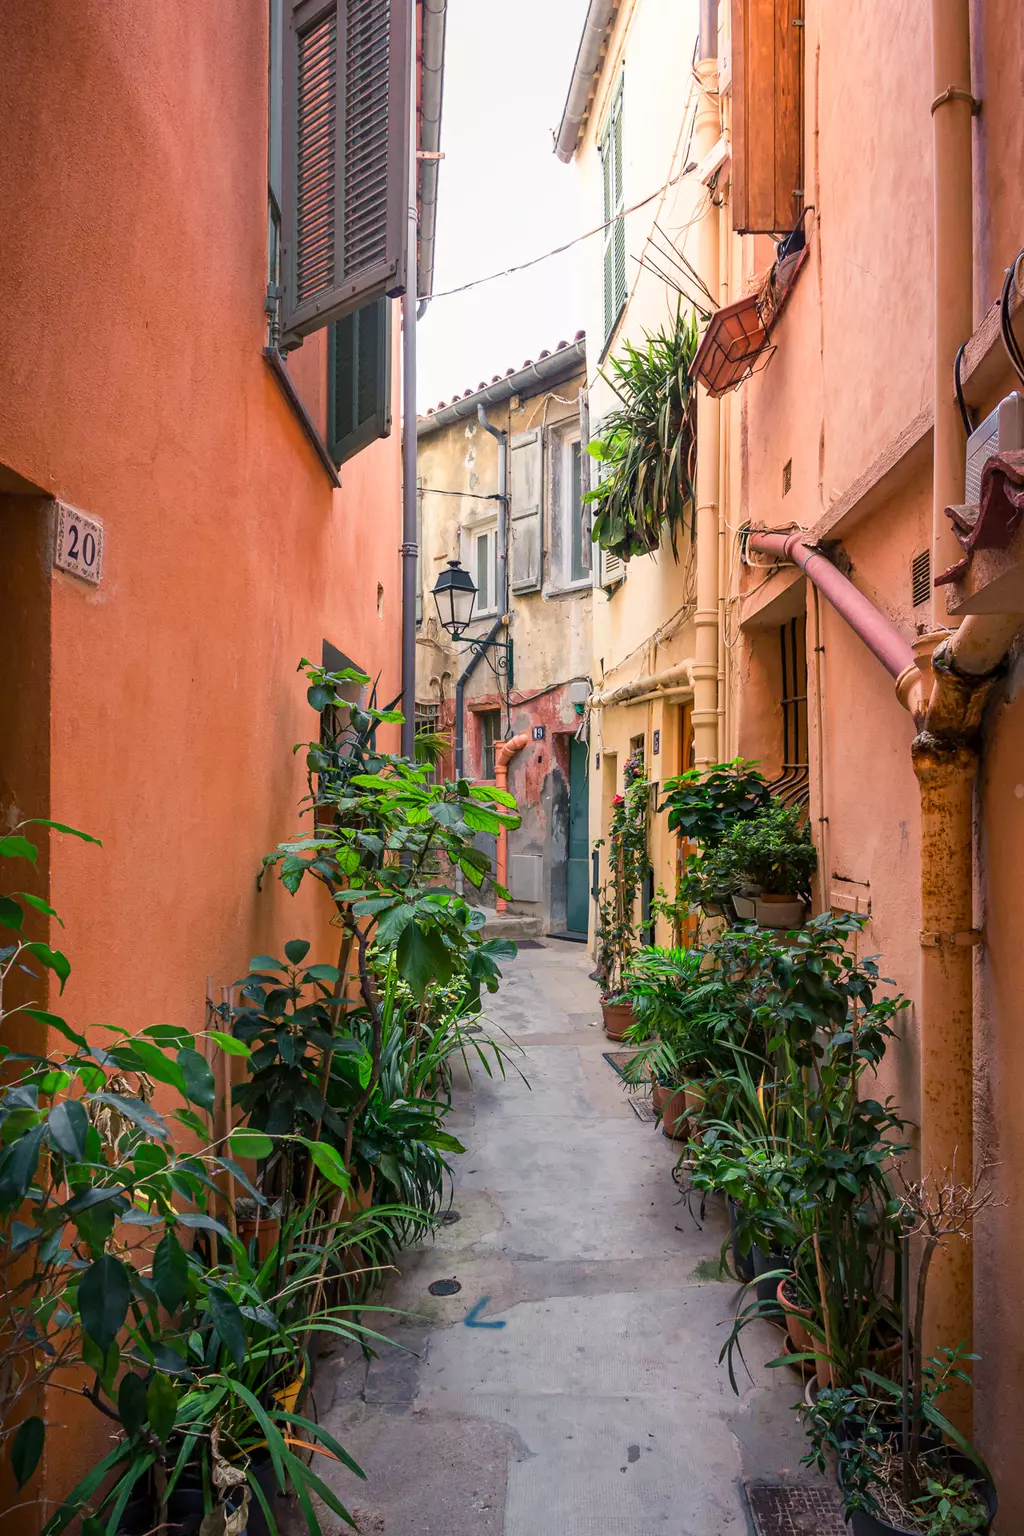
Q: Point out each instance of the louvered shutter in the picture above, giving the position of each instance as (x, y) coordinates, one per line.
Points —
(359, 379)
(767, 115)
(347, 86)
(609, 570)
(614, 208)
(527, 511)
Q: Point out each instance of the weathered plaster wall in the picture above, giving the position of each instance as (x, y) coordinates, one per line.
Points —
(851, 370)
(550, 629)
(133, 147)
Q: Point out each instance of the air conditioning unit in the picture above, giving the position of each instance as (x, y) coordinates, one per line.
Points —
(1002, 431)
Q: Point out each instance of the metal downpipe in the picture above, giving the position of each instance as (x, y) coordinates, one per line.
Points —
(707, 128)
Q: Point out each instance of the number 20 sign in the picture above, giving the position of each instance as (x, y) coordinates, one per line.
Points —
(79, 544)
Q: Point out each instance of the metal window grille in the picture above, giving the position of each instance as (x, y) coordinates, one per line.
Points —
(427, 722)
(921, 577)
(793, 784)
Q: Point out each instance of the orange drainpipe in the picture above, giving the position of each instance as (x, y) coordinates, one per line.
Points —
(504, 751)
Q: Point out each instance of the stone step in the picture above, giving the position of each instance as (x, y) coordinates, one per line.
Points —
(512, 925)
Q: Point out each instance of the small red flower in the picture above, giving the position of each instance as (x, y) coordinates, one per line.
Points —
(619, 800)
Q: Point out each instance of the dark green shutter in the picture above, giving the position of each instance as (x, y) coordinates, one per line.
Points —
(614, 210)
(359, 380)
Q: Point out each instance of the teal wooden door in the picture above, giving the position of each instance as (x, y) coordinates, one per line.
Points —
(577, 902)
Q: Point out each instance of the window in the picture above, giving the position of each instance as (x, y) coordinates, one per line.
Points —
(614, 216)
(484, 568)
(490, 735)
(359, 380)
(793, 784)
(570, 518)
(428, 726)
(339, 169)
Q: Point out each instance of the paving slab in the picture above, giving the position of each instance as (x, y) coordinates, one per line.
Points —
(597, 1407)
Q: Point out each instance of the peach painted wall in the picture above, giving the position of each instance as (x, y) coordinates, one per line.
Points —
(851, 370)
(132, 385)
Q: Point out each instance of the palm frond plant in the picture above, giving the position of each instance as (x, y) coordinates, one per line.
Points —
(647, 450)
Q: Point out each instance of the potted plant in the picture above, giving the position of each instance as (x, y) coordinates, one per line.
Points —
(647, 446)
(904, 1469)
(772, 859)
(629, 865)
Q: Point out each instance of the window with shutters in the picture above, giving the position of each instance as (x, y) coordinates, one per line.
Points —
(480, 558)
(614, 255)
(527, 455)
(345, 159)
(767, 115)
(359, 380)
(570, 516)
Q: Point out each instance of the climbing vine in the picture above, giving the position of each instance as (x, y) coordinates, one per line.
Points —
(628, 866)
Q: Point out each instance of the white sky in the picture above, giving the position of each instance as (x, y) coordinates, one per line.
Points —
(503, 197)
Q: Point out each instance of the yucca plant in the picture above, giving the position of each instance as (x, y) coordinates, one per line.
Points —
(648, 448)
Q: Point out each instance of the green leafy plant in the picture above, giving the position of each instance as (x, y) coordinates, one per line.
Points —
(647, 450)
(704, 804)
(767, 852)
(628, 866)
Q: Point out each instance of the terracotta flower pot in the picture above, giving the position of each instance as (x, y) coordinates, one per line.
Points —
(673, 1111)
(617, 1019)
(798, 1336)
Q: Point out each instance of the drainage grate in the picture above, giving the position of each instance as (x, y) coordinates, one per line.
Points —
(782, 1511)
(620, 1060)
(444, 1287)
(450, 1218)
(642, 1106)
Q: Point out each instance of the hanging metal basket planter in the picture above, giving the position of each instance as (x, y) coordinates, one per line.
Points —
(733, 347)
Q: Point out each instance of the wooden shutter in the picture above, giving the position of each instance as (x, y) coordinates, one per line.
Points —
(614, 204)
(527, 511)
(359, 380)
(767, 115)
(347, 84)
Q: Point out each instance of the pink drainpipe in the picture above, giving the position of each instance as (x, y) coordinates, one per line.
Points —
(880, 637)
(504, 751)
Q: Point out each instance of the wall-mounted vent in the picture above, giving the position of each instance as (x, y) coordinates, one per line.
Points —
(787, 477)
(921, 577)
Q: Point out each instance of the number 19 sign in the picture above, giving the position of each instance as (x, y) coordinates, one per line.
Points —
(79, 544)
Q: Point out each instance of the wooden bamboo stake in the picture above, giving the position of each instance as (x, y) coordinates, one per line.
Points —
(225, 993)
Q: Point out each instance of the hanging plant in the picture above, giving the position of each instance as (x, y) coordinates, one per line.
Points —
(648, 447)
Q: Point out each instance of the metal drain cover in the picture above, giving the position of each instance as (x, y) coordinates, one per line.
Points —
(450, 1218)
(444, 1288)
(787, 1511)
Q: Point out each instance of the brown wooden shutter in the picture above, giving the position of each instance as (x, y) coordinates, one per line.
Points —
(347, 87)
(767, 115)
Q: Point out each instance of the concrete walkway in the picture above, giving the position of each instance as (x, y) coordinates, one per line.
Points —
(599, 1408)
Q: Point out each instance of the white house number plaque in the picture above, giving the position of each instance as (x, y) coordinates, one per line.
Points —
(79, 544)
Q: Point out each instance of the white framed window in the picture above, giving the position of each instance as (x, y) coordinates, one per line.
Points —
(570, 516)
(480, 557)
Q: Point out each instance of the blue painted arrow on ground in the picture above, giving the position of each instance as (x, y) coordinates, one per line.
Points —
(473, 1319)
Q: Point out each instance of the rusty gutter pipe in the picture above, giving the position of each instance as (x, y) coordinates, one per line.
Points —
(504, 751)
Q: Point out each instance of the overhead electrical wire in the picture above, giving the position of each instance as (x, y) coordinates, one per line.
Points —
(558, 250)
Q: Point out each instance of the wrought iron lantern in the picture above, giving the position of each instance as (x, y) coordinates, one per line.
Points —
(454, 597)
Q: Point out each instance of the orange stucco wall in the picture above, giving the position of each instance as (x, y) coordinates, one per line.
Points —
(852, 370)
(132, 385)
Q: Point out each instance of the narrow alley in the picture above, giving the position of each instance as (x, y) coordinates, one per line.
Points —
(588, 1401)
